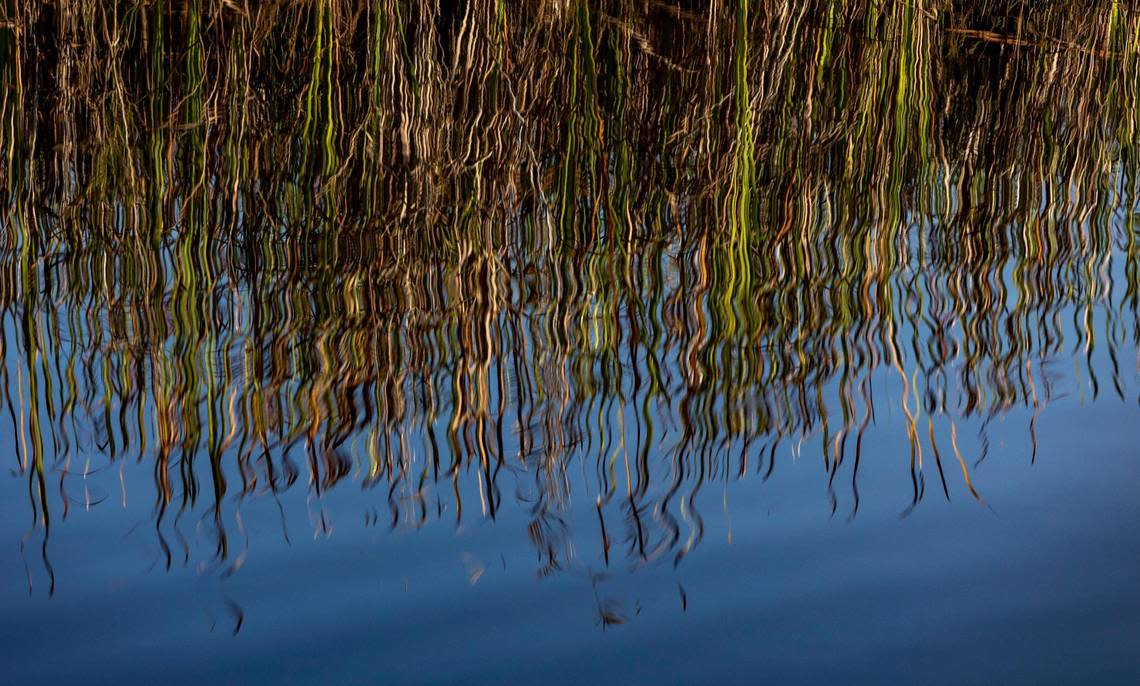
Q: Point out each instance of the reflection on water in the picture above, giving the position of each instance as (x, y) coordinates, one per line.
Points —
(549, 257)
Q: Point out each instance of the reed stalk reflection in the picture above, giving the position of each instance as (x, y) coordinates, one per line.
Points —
(460, 252)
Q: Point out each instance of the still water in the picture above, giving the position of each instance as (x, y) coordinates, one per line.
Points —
(570, 342)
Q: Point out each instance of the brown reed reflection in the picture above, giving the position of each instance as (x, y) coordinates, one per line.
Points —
(454, 250)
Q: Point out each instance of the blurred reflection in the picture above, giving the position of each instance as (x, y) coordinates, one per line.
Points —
(550, 255)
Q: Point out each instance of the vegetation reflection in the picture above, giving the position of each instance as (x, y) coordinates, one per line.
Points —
(456, 250)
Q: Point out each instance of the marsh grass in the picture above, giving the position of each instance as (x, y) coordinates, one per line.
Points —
(427, 243)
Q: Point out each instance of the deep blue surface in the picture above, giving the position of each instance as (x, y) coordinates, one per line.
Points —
(1038, 587)
(570, 342)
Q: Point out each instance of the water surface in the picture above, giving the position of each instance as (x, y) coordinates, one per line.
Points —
(570, 342)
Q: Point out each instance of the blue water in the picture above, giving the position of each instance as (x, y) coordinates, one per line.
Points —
(487, 368)
(1035, 586)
